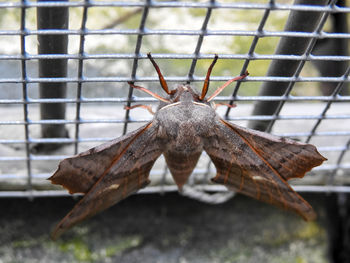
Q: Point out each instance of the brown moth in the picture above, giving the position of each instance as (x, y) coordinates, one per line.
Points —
(250, 162)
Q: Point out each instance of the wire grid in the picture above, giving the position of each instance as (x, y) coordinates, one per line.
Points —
(35, 178)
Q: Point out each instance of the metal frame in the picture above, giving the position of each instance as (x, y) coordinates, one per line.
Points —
(142, 31)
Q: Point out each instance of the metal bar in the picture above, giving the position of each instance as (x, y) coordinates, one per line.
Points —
(135, 62)
(147, 31)
(80, 76)
(177, 56)
(175, 79)
(148, 99)
(173, 188)
(57, 18)
(25, 97)
(139, 120)
(175, 4)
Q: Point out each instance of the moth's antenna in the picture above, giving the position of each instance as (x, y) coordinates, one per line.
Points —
(161, 78)
(206, 81)
(217, 92)
(149, 92)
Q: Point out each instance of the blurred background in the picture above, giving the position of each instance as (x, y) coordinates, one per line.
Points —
(64, 68)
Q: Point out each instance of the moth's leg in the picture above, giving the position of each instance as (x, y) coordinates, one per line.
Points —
(206, 81)
(216, 105)
(160, 76)
(218, 91)
(147, 107)
(149, 92)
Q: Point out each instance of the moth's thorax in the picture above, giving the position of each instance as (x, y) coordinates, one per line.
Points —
(185, 121)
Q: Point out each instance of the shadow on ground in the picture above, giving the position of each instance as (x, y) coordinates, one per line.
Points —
(169, 228)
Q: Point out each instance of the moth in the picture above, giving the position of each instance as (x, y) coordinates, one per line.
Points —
(250, 162)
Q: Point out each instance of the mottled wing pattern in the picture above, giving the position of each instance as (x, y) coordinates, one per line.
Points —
(113, 171)
(258, 164)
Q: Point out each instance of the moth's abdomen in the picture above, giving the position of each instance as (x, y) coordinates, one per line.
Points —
(182, 154)
(181, 165)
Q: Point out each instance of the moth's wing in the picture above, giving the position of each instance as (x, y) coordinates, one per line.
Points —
(108, 173)
(258, 164)
(79, 173)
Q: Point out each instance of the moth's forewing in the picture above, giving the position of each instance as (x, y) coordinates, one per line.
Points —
(290, 158)
(243, 165)
(126, 173)
(79, 173)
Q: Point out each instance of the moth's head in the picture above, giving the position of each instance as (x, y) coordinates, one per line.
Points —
(183, 93)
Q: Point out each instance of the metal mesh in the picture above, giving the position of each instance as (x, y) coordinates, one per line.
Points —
(108, 42)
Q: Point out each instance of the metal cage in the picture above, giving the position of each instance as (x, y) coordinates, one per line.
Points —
(65, 67)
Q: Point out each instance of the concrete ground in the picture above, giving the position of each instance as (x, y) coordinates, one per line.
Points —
(168, 228)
